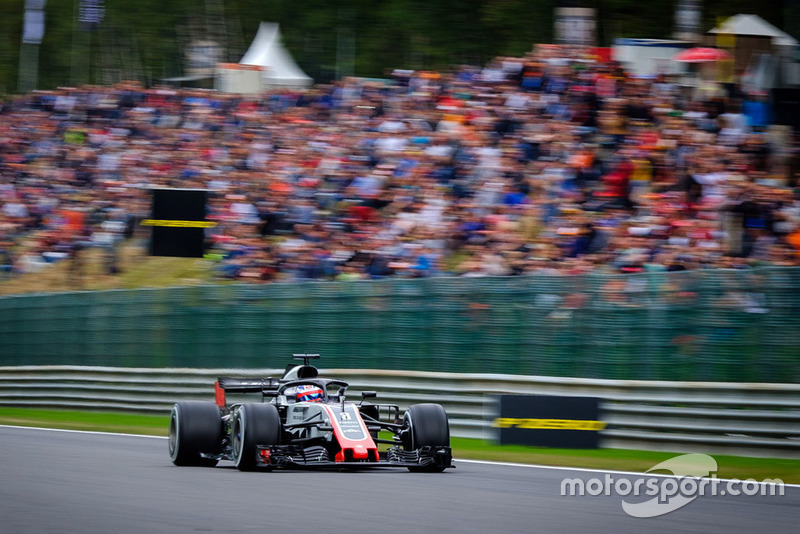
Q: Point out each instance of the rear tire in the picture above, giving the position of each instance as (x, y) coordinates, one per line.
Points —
(253, 425)
(195, 428)
(427, 426)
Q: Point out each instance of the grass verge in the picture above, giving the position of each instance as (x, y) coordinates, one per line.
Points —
(615, 459)
(136, 270)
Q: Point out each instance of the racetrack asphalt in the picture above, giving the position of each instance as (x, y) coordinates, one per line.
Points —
(72, 482)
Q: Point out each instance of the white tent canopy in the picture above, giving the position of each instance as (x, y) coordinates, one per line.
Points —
(267, 51)
(755, 25)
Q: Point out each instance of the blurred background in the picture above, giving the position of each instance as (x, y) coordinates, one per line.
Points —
(77, 42)
(654, 197)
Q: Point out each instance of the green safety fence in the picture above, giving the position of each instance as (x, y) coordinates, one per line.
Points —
(709, 325)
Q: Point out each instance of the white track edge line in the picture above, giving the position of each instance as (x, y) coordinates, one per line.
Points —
(71, 431)
(482, 462)
(594, 470)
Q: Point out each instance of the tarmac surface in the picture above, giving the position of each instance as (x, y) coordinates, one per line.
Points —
(74, 482)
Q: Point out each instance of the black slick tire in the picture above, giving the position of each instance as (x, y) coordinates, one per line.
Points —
(253, 425)
(427, 426)
(195, 429)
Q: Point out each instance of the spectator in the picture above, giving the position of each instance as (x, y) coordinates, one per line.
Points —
(526, 166)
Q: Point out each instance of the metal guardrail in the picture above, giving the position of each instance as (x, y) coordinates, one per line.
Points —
(736, 418)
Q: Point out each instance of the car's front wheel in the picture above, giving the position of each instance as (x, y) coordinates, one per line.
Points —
(253, 425)
(195, 433)
(426, 425)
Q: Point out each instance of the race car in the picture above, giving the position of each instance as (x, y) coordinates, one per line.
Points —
(305, 421)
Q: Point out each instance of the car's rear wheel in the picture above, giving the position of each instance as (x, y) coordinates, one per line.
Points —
(253, 425)
(426, 425)
(195, 429)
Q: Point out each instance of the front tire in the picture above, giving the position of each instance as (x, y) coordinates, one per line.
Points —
(195, 428)
(253, 425)
(426, 426)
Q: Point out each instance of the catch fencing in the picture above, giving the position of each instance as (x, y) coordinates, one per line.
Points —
(700, 325)
(746, 419)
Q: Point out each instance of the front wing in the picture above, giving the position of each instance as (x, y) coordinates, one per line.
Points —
(318, 456)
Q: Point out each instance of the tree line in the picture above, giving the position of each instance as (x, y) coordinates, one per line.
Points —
(146, 39)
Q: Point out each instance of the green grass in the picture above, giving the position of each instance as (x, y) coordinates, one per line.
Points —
(740, 467)
(615, 459)
(150, 425)
(137, 270)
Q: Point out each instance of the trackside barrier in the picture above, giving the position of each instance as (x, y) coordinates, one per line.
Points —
(735, 418)
(715, 325)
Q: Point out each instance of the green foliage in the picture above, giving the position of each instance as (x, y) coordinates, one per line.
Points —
(626, 18)
(143, 39)
(10, 36)
(516, 24)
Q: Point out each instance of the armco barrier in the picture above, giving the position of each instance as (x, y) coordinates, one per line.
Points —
(749, 419)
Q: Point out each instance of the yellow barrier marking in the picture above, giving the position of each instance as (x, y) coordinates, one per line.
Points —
(178, 224)
(548, 424)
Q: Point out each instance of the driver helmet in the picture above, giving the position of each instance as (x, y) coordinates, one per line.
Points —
(309, 393)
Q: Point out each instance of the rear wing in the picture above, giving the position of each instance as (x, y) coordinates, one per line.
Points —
(247, 385)
(265, 386)
(242, 385)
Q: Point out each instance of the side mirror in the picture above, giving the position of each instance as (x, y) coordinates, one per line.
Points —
(367, 395)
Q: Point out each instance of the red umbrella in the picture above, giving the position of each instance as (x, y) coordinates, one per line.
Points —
(701, 55)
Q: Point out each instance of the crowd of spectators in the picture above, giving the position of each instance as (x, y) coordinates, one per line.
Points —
(548, 163)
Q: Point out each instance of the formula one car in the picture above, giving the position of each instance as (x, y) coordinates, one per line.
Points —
(304, 421)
